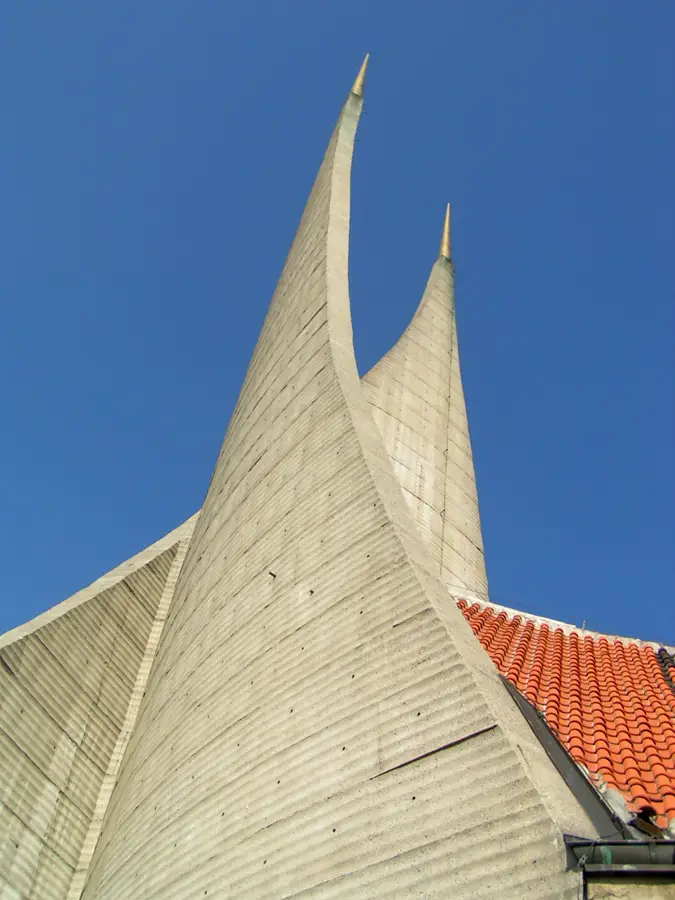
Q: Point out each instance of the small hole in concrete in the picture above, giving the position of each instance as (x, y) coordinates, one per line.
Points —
(334, 830)
(344, 748)
(418, 714)
(414, 797)
(291, 709)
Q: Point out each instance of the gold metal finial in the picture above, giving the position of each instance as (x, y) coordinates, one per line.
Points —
(445, 240)
(357, 87)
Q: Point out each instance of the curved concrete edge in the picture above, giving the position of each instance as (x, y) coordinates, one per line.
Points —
(560, 804)
(110, 579)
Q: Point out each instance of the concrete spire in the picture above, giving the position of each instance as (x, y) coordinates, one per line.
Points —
(357, 87)
(313, 673)
(426, 433)
(445, 239)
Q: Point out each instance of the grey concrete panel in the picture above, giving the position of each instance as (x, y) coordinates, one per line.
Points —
(66, 682)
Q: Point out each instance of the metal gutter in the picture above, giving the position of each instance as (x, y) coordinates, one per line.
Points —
(623, 857)
(604, 861)
(616, 871)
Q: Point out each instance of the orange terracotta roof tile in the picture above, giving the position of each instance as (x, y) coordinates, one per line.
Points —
(610, 701)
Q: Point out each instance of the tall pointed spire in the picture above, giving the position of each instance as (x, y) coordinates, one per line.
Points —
(445, 239)
(357, 87)
(256, 689)
(426, 434)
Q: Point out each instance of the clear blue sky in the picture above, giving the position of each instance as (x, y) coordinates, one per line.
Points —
(154, 162)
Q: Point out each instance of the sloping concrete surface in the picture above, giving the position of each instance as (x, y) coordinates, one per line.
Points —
(66, 681)
(320, 719)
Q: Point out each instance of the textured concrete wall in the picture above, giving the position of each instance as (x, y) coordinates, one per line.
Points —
(66, 680)
(320, 719)
(625, 888)
(418, 404)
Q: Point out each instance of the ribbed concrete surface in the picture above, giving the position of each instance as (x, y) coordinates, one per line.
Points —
(319, 718)
(66, 680)
(418, 404)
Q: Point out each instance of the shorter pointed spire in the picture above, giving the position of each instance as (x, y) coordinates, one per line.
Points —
(445, 240)
(357, 87)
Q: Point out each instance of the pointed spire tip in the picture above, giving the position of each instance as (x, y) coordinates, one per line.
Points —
(357, 87)
(445, 239)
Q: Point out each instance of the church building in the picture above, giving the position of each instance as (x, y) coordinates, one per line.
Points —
(304, 690)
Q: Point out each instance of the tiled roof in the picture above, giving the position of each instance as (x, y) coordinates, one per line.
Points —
(610, 701)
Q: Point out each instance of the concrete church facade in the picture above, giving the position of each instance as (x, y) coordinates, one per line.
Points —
(296, 692)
